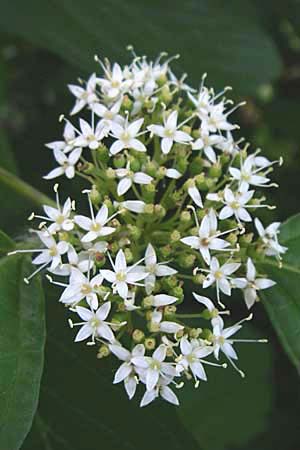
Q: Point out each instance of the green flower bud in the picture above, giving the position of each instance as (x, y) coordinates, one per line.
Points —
(126, 103)
(165, 95)
(102, 153)
(103, 351)
(149, 209)
(159, 211)
(175, 236)
(148, 192)
(194, 333)
(95, 195)
(110, 173)
(185, 216)
(199, 278)
(134, 231)
(169, 282)
(162, 79)
(151, 168)
(186, 260)
(88, 168)
(170, 310)
(207, 334)
(196, 134)
(178, 292)
(119, 161)
(232, 238)
(187, 129)
(161, 173)
(128, 255)
(166, 251)
(200, 180)
(215, 171)
(246, 239)
(150, 343)
(138, 336)
(196, 166)
(64, 236)
(135, 165)
(148, 302)
(182, 164)
(153, 327)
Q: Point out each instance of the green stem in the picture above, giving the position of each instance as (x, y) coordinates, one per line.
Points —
(24, 189)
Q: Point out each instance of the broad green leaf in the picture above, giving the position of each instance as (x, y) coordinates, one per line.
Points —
(6, 243)
(282, 302)
(227, 411)
(225, 40)
(81, 409)
(22, 335)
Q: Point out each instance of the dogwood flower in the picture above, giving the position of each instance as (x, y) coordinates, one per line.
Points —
(84, 96)
(220, 275)
(126, 136)
(121, 275)
(127, 177)
(269, 236)
(109, 115)
(154, 269)
(90, 136)
(207, 238)
(215, 314)
(60, 216)
(96, 225)
(114, 84)
(154, 366)
(247, 174)
(94, 323)
(236, 204)
(68, 143)
(67, 164)
(206, 143)
(169, 133)
(81, 287)
(126, 372)
(191, 357)
(251, 284)
(160, 390)
(165, 326)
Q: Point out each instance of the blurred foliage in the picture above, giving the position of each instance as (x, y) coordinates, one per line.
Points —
(255, 47)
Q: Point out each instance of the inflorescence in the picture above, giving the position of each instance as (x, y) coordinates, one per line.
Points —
(171, 195)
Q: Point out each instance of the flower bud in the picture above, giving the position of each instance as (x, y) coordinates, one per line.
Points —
(148, 192)
(159, 211)
(199, 278)
(232, 238)
(119, 161)
(162, 79)
(215, 171)
(186, 260)
(138, 336)
(175, 236)
(88, 168)
(95, 195)
(194, 333)
(170, 310)
(151, 168)
(110, 173)
(128, 255)
(196, 165)
(177, 292)
(165, 95)
(149, 209)
(135, 165)
(185, 216)
(103, 351)
(102, 153)
(150, 343)
(126, 103)
(134, 231)
(147, 301)
(166, 251)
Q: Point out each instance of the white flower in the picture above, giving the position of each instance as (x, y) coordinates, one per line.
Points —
(247, 174)
(126, 371)
(122, 275)
(81, 261)
(164, 326)
(154, 366)
(173, 173)
(96, 225)
(128, 177)
(94, 323)
(60, 216)
(109, 115)
(236, 204)
(162, 390)
(251, 284)
(80, 287)
(68, 143)
(126, 136)
(217, 119)
(52, 253)
(269, 236)
(220, 275)
(207, 238)
(66, 163)
(206, 143)
(191, 357)
(84, 96)
(169, 133)
(90, 136)
(154, 269)
(203, 100)
(114, 84)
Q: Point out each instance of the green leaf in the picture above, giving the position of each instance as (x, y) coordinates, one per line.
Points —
(282, 302)
(81, 409)
(228, 411)
(6, 243)
(232, 48)
(22, 335)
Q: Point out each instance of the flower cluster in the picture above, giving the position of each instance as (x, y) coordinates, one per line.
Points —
(170, 194)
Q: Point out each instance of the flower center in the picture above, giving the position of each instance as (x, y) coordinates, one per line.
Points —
(53, 251)
(94, 322)
(86, 289)
(169, 132)
(121, 276)
(60, 219)
(218, 274)
(235, 205)
(204, 242)
(96, 226)
(155, 365)
(151, 268)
